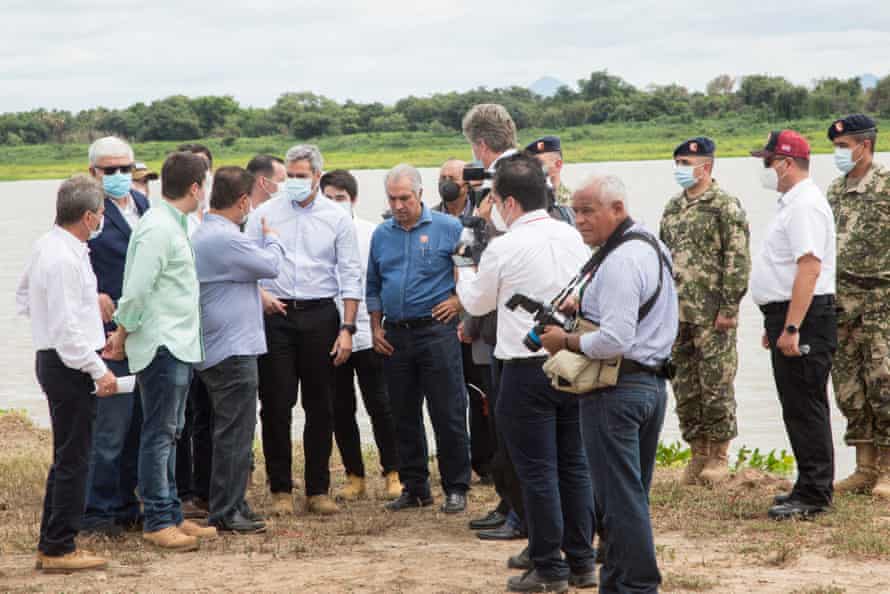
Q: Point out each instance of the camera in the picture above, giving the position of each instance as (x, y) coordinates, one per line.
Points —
(545, 314)
(473, 241)
(477, 174)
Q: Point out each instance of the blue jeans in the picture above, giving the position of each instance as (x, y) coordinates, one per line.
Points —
(427, 362)
(114, 461)
(542, 430)
(163, 385)
(621, 426)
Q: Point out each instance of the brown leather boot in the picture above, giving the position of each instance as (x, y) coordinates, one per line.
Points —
(882, 486)
(321, 504)
(699, 448)
(193, 529)
(73, 561)
(716, 468)
(171, 538)
(282, 504)
(865, 476)
(393, 485)
(353, 489)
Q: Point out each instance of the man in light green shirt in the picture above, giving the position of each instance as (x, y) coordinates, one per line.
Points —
(158, 322)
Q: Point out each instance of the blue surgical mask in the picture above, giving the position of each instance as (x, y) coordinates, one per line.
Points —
(843, 160)
(117, 185)
(298, 189)
(684, 175)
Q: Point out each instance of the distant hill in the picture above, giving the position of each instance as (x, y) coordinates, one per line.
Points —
(546, 86)
(868, 81)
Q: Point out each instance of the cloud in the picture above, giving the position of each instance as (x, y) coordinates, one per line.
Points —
(85, 53)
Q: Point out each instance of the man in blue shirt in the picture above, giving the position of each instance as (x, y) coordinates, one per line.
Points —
(229, 265)
(410, 296)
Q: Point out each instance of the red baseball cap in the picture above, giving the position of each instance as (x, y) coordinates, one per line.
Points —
(786, 143)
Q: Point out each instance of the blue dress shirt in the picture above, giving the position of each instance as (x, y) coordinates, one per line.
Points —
(410, 271)
(229, 264)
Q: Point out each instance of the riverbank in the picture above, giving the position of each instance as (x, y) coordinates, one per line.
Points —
(707, 541)
(591, 143)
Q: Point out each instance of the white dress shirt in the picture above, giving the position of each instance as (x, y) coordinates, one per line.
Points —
(58, 292)
(362, 340)
(128, 211)
(321, 251)
(803, 225)
(537, 257)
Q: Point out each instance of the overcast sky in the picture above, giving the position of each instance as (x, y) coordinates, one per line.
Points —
(83, 53)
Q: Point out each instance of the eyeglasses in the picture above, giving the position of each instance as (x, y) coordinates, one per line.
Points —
(115, 168)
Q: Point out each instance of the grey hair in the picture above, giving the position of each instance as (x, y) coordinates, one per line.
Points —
(492, 123)
(608, 189)
(404, 170)
(109, 146)
(76, 196)
(305, 152)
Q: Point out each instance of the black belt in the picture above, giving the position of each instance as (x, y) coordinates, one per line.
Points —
(629, 366)
(410, 323)
(524, 361)
(780, 307)
(303, 304)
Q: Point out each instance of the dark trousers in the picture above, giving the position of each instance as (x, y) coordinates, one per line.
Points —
(194, 448)
(621, 426)
(114, 460)
(426, 362)
(71, 411)
(542, 429)
(298, 358)
(506, 483)
(232, 387)
(802, 384)
(368, 366)
(478, 381)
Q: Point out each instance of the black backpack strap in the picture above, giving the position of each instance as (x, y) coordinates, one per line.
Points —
(663, 263)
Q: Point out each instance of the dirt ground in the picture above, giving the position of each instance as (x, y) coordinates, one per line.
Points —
(707, 541)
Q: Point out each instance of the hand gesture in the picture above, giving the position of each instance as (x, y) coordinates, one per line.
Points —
(380, 343)
(447, 310)
(106, 385)
(342, 348)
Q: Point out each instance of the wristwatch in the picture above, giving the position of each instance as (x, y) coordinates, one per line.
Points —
(791, 329)
(349, 328)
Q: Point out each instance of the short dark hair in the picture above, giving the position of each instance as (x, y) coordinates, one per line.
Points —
(521, 176)
(179, 172)
(198, 149)
(229, 184)
(263, 165)
(340, 178)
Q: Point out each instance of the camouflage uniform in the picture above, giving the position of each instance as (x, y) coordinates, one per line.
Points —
(563, 195)
(861, 370)
(708, 239)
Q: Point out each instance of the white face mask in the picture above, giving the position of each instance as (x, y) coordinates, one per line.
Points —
(208, 188)
(769, 179)
(345, 205)
(497, 220)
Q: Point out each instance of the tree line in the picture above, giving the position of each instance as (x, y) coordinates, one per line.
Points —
(600, 98)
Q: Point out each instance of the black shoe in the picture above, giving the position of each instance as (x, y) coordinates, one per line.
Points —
(108, 530)
(583, 580)
(521, 561)
(530, 581)
(782, 499)
(248, 513)
(505, 532)
(493, 519)
(454, 503)
(795, 509)
(237, 522)
(408, 501)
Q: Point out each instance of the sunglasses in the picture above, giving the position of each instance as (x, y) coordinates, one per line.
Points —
(114, 169)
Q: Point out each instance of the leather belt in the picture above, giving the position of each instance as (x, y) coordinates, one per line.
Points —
(304, 304)
(779, 307)
(410, 323)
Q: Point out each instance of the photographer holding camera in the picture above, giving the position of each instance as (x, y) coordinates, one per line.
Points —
(540, 425)
(631, 297)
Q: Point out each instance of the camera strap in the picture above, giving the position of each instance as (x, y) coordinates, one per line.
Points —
(620, 236)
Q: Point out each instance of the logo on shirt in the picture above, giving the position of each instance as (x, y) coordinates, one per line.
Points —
(424, 239)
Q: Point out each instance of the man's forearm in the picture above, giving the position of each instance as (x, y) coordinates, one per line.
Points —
(350, 307)
(802, 291)
(376, 319)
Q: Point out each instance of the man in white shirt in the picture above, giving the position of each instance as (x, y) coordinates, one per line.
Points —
(537, 257)
(793, 283)
(341, 187)
(58, 292)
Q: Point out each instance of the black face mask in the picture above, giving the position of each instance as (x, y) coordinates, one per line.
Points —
(449, 191)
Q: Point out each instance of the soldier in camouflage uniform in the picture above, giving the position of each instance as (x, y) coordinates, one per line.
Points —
(707, 232)
(860, 201)
(548, 150)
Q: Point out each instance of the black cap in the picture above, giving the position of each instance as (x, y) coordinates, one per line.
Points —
(852, 124)
(700, 146)
(545, 144)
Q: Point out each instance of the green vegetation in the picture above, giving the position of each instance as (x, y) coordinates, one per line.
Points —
(629, 141)
(675, 454)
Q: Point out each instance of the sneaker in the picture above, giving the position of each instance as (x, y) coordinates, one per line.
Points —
(73, 561)
(531, 581)
(408, 501)
(172, 539)
(454, 503)
(321, 504)
(191, 529)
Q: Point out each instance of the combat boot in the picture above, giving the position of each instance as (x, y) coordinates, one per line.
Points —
(865, 476)
(699, 448)
(322, 505)
(393, 485)
(716, 468)
(882, 486)
(282, 504)
(354, 488)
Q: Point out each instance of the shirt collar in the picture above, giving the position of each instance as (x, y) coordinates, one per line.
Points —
(532, 215)
(861, 186)
(79, 247)
(179, 216)
(503, 155)
(426, 216)
(210, 217)
(786, 198)
(705, 196)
